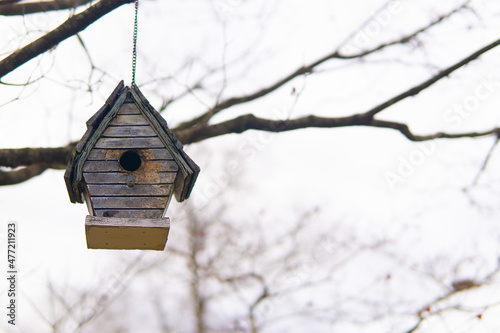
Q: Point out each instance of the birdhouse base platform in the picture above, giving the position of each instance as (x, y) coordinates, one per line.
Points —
(126, 233)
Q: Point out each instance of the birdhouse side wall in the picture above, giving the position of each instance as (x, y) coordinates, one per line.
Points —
(113, 191)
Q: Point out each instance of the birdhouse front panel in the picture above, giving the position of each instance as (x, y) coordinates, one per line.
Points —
(126, 168)
(129, 173)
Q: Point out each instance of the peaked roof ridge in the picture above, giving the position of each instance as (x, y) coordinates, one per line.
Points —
(97, 117)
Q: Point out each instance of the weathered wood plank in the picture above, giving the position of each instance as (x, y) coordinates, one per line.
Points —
(126, 222)
(153, 142)
(121, 178)
(106, 154)
(130, 213)
(146, 166)
(159, 154)
(129, 131)
(159, 166)
(124, 190)
(129, 108)
(129, 202)
(126, 234)
(101, 166)
(129, 119)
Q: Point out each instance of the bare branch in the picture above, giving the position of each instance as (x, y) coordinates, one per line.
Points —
(432, 308)
(245, 122)
(55, 158)
(13, 8)
(485, 163)
(249, 121)
(424, 85)
(21, 175)
(405, 39)
(405, 130)
(204, 118)
(13, 158)
(70, 27)
(33, 161)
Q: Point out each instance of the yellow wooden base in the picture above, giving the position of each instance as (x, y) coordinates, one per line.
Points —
(126, 233)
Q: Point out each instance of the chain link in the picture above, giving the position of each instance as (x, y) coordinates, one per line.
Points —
(134, 43)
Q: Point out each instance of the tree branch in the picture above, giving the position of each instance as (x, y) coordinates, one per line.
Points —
(405, 130)
(14, 158)
(238, 123)
(56, 158)
(70, 27)
(249, 121)
(203, 119)
(14, 8)
(485, 163)
(21, 175)
(242, 123)
(424, 85)
(33, 161)
(433, 309)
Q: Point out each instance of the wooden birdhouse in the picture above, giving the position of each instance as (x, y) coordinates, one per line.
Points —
(126, 167)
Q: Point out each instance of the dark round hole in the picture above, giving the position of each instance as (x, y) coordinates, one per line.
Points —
(130, 161)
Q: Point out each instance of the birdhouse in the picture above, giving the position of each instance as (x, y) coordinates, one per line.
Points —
(126, 167)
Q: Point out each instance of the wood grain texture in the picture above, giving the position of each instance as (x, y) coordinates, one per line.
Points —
(127, 222)
(129, 119)
(126, 233)
(114, 166)
(121, 178)
(153, 142)
(129, 108)
(129, 131)
(114, 154)
(123, 190)
(130, 213)
(101, 166)
(129, 202)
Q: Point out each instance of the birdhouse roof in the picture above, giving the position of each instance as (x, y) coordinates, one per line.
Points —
(188, 170)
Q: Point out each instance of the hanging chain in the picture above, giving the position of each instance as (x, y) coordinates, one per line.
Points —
(134, 43)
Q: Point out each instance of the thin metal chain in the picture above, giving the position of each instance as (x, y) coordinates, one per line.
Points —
(134, 43)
